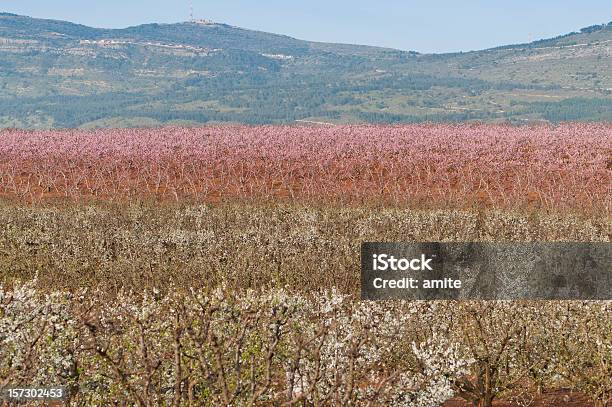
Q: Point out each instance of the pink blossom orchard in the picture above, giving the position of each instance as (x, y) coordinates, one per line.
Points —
(551, 167)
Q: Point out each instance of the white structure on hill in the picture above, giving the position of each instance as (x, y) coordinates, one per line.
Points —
(197, 21)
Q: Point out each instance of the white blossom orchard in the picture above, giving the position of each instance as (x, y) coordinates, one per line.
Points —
(271, 347)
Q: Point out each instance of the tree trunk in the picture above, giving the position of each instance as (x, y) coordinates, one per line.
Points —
(486, 401)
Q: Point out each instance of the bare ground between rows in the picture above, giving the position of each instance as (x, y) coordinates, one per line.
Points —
(550, 398)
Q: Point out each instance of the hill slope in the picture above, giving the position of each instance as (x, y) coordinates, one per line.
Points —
(59, 74)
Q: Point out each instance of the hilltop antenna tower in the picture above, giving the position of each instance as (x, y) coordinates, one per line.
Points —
(191, 11)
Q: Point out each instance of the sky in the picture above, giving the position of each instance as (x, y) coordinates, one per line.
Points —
(423, 26)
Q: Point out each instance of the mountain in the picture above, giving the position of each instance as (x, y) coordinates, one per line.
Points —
(60, 74)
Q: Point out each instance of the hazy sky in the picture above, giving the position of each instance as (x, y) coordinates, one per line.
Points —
(424, 26)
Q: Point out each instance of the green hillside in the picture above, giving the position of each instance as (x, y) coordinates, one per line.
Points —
(59, 74)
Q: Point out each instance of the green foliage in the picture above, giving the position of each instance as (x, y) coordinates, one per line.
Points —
(574, 109)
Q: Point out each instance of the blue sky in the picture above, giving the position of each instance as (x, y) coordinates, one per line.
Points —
(424, 26)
